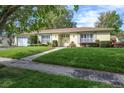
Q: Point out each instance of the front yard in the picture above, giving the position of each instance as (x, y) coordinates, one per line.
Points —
(20, 78)
(20, 52)
(106, 59)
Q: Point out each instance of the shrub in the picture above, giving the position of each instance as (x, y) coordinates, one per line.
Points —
(33, 39)
(72, 44)
(55, 43)
(97, 43)
(49, 44)
(1, 66)
(104, 44)
(92, 45)
(0, 41)
(118, 44)
(46, 44)
(35, 45)
(39, 44)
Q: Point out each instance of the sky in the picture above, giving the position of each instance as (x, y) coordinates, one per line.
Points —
(87, 15)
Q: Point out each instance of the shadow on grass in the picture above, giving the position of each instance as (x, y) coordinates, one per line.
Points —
(13, 77)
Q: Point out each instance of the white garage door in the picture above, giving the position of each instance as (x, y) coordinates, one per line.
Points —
(22, 41)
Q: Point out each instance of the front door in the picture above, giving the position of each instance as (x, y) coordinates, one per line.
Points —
(65, 39)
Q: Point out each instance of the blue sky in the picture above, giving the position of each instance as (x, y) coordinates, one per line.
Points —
(87, 14)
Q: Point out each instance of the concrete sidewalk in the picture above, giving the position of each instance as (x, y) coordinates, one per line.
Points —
(29, 58)
(100, 76)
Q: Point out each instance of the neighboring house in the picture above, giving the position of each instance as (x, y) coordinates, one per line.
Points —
(118, 38)
(3, 39)
(82, 35)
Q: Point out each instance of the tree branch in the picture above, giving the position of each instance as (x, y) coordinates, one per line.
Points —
(6, 13)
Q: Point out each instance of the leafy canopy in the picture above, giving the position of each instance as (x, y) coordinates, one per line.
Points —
(110, 19)
(16, 19)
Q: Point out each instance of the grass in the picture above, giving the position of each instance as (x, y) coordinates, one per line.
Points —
(20, 52)
(106, 59)
(20, 78)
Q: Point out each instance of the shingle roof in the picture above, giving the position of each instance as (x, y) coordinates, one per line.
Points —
(70, 30)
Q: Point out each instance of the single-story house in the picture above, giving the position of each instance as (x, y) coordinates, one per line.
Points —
(4, 40)
(65, 36)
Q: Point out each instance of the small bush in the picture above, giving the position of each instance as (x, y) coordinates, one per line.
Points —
(47, 44)
(104, 44)
(1, 66)
(55, 43)
(35, 45)
(0, 41)
(72, 44)
(97, 43)
(118, 44)
(33, 39)
(92, 45)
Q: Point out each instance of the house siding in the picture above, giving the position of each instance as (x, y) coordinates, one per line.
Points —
(75, 37)
(103, 36)
(15, 40)
(55, 37)
(39, 37)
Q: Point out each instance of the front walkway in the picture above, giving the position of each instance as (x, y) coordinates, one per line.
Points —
(100, 76)
(29, 58)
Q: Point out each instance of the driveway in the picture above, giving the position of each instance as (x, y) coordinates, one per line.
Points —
(3, 48)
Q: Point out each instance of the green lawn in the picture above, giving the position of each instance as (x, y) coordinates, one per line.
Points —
(12, 77)
(20, 52)
(107, 59)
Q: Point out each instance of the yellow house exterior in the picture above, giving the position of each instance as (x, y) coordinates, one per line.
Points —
(64, 37)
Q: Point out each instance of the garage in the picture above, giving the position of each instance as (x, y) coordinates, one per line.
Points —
(22, 41)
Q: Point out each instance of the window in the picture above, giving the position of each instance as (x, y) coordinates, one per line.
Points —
(86, 38)
(83, 36)
(45, 38)
(65, 35)
(90, 35)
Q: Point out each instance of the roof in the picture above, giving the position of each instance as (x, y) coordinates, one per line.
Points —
(70, 30)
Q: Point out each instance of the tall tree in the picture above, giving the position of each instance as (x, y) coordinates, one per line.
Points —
(110, 19)
(6, 11)
(33, 18)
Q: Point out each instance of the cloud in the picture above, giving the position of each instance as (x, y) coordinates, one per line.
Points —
(86, 18)
(87, 15)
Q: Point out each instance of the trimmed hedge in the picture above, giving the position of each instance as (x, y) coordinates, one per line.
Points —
(92, 45)
(104, 44)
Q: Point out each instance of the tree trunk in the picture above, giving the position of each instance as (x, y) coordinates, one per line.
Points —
(6, 13)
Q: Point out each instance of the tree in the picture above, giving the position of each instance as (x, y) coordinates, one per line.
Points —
(32, 18)
(5, 12)
(110, 19)
(64, 21)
